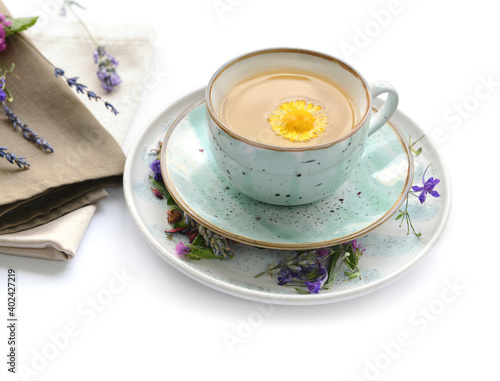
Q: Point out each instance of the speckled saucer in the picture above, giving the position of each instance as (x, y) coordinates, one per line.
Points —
(372, 194)
(390, 252)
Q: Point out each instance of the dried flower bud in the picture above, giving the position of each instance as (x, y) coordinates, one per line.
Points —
(174, 216)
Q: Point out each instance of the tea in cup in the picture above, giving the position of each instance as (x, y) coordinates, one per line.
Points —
(288, 126)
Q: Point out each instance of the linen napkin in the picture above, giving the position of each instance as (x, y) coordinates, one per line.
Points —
(72, 178)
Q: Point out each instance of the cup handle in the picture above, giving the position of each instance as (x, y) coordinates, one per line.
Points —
(388, 108)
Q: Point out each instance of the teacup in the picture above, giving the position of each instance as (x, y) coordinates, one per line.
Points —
(305, 168)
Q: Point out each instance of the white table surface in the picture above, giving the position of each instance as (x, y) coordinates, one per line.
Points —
(444, 59)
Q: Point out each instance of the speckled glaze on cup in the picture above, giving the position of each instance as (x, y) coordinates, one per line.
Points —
(293, 175)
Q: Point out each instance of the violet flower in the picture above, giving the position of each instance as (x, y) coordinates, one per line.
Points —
(315, 286)
(156, 168)
(3, 95)
(427, 188)
(356, 247)
(303, 270)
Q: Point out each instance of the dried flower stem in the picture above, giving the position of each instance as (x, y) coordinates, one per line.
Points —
(69, 4)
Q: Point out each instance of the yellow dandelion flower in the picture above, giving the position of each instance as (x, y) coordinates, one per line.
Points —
(298, 121)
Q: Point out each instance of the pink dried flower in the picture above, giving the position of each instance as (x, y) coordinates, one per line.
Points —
(157, 193)
(3, 24)
(182, 249)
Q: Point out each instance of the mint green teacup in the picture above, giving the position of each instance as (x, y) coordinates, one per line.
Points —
(293, 175)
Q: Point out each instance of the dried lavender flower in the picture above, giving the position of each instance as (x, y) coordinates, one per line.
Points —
(219, 244)
(28, 133)
(82, 89)
(106, 72)
(13, 159)
(106, 62)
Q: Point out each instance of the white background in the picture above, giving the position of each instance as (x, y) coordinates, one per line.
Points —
(163, 324)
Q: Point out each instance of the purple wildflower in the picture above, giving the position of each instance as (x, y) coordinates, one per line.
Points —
(182, 249)
(156, 168)
(106, 69)
(322, 253)
(315, 286)
(3, 95)
(304, 270)
(285, 277)
(4, 21)
(3, 24)
(3, 42)
(427, 188)
(355, 246)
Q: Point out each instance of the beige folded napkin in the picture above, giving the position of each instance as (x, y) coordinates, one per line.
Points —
(56, 240)
(86, 157)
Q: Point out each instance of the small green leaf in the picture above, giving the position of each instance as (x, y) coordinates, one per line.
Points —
(181, 224)
(206, 253)
(334, 268)
(199, 249)
(301, 291)
(19, 25)
(192, 256)
(352, 275)
(160, 185)
(400, 215)
(172, 204)
(199, 241)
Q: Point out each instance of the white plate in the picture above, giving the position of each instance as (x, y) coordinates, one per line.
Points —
(390, 252)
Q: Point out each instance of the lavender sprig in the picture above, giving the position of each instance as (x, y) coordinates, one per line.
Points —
(73, 81)
(219, 244)
(83, 89)
(106, 63)
(13, 159)
(28, 133)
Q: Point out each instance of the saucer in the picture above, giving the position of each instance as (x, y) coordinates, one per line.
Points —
(373, 193)
(390, 252)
